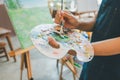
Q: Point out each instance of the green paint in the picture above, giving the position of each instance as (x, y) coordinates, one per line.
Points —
(77, 65)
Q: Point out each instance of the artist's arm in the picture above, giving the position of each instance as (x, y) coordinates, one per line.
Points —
(86, 25)
(107, 47)
(70, 21)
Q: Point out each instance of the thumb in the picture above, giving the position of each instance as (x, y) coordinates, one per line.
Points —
(67, 15)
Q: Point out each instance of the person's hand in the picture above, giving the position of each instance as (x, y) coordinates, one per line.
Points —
(72, 52)
(69, 20)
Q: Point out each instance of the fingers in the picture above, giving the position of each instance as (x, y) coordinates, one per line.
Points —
(67, 14)
(69, 26)
(58, 17)
(72, 52)
(67, 17)
(61, 15)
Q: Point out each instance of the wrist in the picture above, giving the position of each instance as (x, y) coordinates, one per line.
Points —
(78, 25)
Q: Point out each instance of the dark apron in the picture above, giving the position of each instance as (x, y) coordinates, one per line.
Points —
(107, 26)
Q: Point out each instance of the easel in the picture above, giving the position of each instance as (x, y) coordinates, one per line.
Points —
(25, 60)
(70, 64)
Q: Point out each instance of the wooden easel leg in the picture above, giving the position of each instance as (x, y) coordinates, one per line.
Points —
(22, 66)
(28, 65)
(74, 77)
(14, 58)
(57, 65)
(61, 71)
(12, 54)
(25, 62)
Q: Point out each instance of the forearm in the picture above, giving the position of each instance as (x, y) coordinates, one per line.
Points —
(86, 25)
(107, 47)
